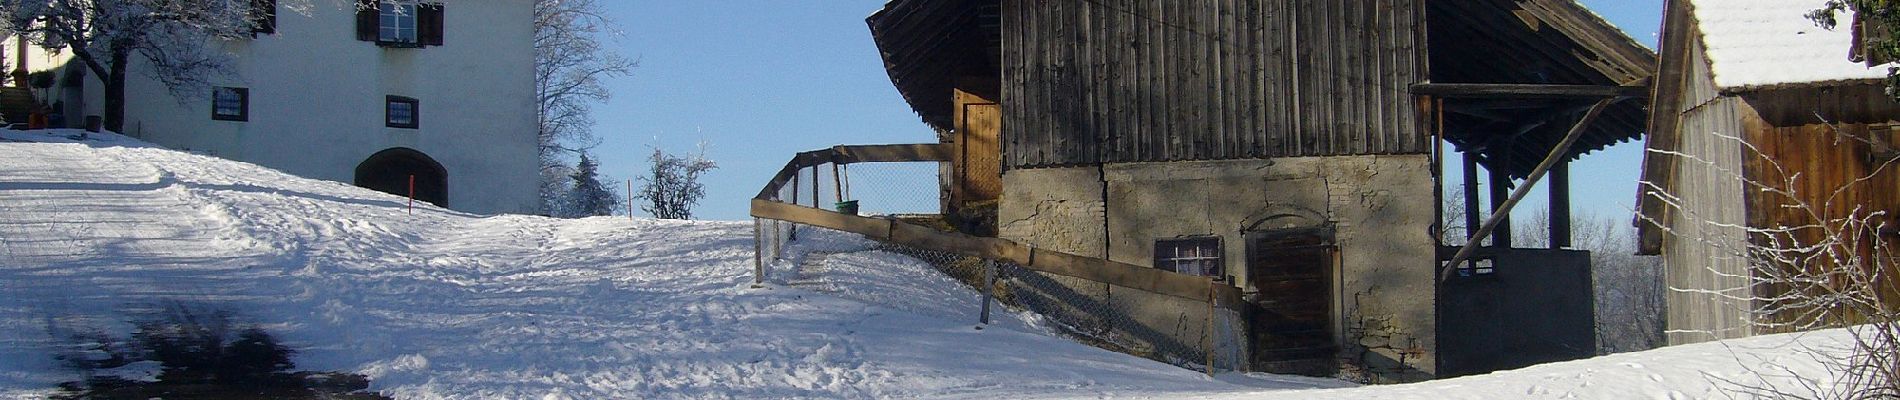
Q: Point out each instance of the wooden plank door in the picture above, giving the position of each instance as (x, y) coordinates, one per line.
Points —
(979, 165)
(1291, 276)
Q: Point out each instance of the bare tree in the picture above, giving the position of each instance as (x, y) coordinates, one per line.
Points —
(672, 187)
(171, 36)
(570, 64)
(1832, 265)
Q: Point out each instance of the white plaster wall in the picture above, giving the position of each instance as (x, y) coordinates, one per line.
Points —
(317, 102)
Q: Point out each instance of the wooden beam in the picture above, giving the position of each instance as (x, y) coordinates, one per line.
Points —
(1472, 200)
(1500, 190)
(1556, 155)
(1526, 91)
(1560, 206)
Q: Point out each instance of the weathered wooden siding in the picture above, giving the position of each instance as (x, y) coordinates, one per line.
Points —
(1139, 80)
(1833, 172)
(1700, 256)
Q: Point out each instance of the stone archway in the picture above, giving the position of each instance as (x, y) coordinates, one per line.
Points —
(389, 171)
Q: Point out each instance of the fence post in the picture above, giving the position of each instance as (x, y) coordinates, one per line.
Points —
(793, 235)
(630, 200)
(989, 290)
(1211, 299)
(758, 254)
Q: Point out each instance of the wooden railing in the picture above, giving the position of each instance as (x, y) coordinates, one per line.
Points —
(768, 206)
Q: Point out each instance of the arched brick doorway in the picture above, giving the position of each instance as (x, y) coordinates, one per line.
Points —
(388, 171)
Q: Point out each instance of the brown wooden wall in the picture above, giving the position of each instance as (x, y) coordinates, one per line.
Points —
(1839, 169)
(1140, 80)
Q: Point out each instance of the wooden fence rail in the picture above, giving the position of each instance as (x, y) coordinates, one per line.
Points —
(768, 206)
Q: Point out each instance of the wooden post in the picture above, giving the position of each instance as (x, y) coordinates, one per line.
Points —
(1557, 154)
(758, 254)
(1471, 198)
(1209, 334)
(412, 195)
(814, 188)
(1500, 184)
(629, 199)
(837, 182)
(1560, 206)
(793, 231)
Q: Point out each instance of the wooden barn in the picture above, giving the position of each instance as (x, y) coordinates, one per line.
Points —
(1291, 148)
(1753, 91)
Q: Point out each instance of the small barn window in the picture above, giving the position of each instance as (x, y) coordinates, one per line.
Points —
(1192, 256)
(402, 112)
(231, 104)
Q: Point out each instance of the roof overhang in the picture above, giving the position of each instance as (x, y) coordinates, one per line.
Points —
(928, 45)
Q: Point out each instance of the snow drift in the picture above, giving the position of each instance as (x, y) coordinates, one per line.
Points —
(441, 304)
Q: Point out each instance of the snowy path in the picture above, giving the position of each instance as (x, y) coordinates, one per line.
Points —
(441, 304)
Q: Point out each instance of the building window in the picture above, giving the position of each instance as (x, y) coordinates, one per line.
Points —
(1191, 256)
(402, 112)
(231, 104)
(263, 17)
(399, 23)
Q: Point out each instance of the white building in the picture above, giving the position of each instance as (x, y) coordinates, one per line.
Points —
(443, 92)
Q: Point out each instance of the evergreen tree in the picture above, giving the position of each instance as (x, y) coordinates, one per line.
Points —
(589, 197)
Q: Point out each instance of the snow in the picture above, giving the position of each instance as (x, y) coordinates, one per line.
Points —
(442, 304)
(1754, 44)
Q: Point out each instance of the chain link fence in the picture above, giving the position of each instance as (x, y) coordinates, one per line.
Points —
(1201, 334)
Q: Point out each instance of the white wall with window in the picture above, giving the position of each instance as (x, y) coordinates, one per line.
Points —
(316, 97)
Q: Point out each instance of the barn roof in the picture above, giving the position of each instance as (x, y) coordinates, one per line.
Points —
(1533, 42)
(928, 44)
(1766, 44)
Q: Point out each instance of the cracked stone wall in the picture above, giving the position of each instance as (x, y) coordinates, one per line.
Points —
(1379, 208)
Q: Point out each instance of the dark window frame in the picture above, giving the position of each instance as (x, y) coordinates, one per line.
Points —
(415, 112)
(263, 17)
(1167, 255)
(427, 21)
(244, 104)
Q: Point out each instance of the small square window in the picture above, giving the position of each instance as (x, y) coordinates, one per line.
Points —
(402, 112)
(230, 104)
(1191, 256)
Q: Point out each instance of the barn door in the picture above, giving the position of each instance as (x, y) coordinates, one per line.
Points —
(979, 153)
(978, 165)
(1290, 274)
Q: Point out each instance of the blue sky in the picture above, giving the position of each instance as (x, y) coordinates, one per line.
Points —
(760, 80)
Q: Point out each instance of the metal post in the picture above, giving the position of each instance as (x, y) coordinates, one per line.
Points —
(758, 254)
(989, 290)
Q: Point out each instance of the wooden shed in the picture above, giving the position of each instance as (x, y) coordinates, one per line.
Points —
(1753, 91)
(1289, 147)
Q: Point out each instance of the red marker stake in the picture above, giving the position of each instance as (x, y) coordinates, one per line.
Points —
(412, 195)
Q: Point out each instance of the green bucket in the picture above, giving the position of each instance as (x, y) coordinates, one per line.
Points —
(848, 207)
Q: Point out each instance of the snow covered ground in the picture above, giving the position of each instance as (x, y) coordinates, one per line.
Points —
(441, 304)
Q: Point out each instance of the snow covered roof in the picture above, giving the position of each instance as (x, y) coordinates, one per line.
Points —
(1759, 44)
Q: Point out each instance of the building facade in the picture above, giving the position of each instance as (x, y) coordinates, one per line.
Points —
(1764, 122)
(1289, 148)
(443, 92)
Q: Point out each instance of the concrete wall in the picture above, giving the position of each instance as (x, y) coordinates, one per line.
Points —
(1380, 209)
(317, 102)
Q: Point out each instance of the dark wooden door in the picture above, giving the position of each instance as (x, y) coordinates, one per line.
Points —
(1290, 279)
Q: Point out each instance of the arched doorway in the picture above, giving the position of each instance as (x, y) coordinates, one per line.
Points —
(388, 171)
